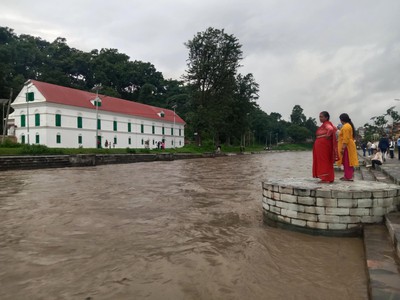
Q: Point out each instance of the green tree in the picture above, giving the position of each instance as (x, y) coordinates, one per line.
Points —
(297, 117)
(220, 100)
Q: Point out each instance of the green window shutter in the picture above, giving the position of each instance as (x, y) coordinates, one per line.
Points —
(129, 141)
(172, 131)
(129, 127)
(163, 130)
(142, 128)
(98, 124)
(30, 96)
(153, 129)
(142, 142)
(37, 139)
(115, 140)
(180, 132)
(58, 138)
(23, 139)
(115, 126)
(79, 139)
(79, 122)
(23, 120)
(58, 120)
(37, 119)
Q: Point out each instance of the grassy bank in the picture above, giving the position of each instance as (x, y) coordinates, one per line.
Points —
(8, 149)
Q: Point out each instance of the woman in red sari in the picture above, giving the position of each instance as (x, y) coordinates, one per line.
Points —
(325, 150)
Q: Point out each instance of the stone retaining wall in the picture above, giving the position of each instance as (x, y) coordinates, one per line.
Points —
(84, 160)
(334, 209)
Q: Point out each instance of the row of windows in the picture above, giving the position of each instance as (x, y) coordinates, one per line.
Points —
(80, 140)
(80, 124)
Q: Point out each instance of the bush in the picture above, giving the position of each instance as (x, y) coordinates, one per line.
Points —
(38, 150)
(130, 150)
(8, 143)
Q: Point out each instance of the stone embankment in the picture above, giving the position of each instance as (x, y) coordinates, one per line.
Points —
(84, 160)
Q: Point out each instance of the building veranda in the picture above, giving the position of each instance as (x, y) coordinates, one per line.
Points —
(62, 117)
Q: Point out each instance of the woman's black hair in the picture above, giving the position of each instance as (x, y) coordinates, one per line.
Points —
(325, 114)
(345, 118)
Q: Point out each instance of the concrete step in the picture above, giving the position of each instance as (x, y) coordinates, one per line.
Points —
(392, 221)
(382, 266)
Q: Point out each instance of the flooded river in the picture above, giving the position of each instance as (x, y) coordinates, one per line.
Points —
(187, 229)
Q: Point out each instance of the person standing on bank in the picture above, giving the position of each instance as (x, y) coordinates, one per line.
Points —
(383, 145)
(325, 150)
(347, 147)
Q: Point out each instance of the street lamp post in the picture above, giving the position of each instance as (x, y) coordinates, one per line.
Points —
(173, 130)
(97, 102)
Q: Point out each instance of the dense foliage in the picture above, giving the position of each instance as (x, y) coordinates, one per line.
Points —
(217, 102)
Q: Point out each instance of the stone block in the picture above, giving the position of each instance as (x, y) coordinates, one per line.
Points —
(317, 225)
(275, 210)
(383, 202)
(327, 202)
(323, 194)
(342, 194)
(347, 203)
(361, 195)
(378, 211)
(360, 211)
(314, 210)
(275, 196)
(336, 226)
(286, 190)
(284, 219)
(296, 207)
(307, 217)
(337, 211)
(352, 225)
(349, 219)
(289, 198)
(265, 206)
(306, 200)
(289, 213)
(302, 192)
(281, 204)
(379, 194)
(364, 203)
(328, 219)
(392, 193)
(372, 219)
(271, 202)
(299, 222)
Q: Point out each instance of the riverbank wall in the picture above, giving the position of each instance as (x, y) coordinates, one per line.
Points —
(84, 160)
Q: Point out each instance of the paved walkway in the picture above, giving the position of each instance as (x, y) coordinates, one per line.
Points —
(382, 243)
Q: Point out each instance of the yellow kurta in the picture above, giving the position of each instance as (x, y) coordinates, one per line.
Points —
(346, 137)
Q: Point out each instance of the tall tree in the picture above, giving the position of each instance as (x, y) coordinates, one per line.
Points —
(214, 58)
(297, 117)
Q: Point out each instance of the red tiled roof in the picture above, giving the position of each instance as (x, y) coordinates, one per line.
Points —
(73, 97)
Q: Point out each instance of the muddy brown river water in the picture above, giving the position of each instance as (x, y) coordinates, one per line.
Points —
(187, 229)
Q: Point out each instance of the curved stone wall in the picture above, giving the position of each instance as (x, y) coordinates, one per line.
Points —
(340, 208)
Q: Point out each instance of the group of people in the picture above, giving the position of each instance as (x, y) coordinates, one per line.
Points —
(380, 151)
(330, 147)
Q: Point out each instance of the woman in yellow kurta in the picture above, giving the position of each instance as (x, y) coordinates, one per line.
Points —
(347, 147)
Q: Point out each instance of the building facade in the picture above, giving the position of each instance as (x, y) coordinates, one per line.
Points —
(61, 117)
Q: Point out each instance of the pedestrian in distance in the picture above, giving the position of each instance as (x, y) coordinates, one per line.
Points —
(347, 147)
(376, 158)
(383, 145)
(391, 148)
(398, 147)
(325, 150)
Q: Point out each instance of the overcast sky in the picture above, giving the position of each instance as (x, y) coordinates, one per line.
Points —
(339, 56)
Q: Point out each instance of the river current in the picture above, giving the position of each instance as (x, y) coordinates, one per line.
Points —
(186, 229)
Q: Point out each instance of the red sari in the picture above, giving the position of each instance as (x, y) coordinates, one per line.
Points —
(325, 152)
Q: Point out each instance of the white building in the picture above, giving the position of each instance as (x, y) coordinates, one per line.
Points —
(61, 117)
